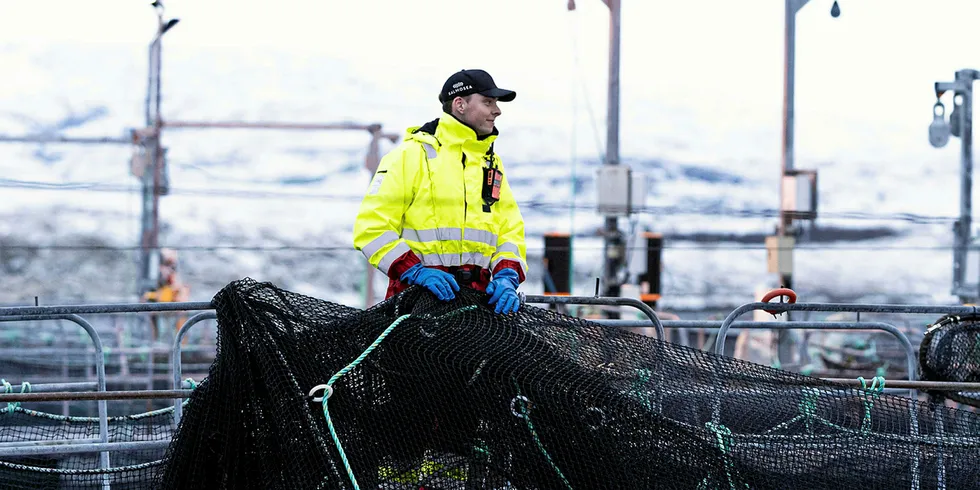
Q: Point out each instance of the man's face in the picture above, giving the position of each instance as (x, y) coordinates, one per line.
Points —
(478, 112)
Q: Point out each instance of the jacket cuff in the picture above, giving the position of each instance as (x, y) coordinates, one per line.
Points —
(403, 263)
(510, 264)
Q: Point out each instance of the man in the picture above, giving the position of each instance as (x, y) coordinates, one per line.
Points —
(439, 212)
(170, 289)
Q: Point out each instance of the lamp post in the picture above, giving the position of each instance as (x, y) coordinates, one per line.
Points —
(785, 231)
(613, 239)
(151, 177)
(780, 247)
(960, 125)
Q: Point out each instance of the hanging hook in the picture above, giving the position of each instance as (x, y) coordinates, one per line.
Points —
(525, 406)
(328, 390)
(781, 292)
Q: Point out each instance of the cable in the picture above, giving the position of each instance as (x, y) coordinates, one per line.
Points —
(239, 193)
(585, 90)
(597, 247)
(753, 213)
(707, 210)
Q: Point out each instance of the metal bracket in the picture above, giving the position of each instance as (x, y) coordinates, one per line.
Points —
(796, 5)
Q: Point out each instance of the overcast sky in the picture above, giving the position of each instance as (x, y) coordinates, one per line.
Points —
(875, 63)
(689, 35)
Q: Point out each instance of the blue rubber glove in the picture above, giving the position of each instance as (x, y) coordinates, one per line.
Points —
(503, 291)
(442, 284)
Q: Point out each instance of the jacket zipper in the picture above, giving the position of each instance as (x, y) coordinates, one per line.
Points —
(462, 229)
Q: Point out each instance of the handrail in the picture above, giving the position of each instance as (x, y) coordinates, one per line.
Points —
(99, 371)
(103, 308)
(175, 355)
(602, 300)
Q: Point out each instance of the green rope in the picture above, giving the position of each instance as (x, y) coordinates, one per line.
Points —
(525, 413)
(347, 369)
(476, 374)
(872, 394)
(641, 381)
(808, 411)
(89, 471)
(8, 389)
(723, 436)
(80, 420)
(191, 382)
(808, 407)
(25, 387)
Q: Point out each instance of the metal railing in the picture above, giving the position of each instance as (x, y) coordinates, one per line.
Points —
(84, 390)
(602, 301)
(911, 358)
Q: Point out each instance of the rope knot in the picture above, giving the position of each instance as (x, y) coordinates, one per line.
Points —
(25, 387)
(877, 385)
(871, 394)
(722, 434)
(808, 403)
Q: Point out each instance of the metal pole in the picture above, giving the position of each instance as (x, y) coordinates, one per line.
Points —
(147, 179)
(52, 138)
(158, 161)
(101, 396)
(374, 129)
(965, 78)
(789, 82)
(7, 452)
(962, 118)
(789, 117)
(612, 129)
(149, 80)
(175, 356)
(27, 313)
(608, 301)
(787, 161)
(613, 238)
(153, 175)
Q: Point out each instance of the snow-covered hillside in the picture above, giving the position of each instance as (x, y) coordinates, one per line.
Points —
(279, 206)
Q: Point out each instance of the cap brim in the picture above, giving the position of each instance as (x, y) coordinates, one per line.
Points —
(500, 94)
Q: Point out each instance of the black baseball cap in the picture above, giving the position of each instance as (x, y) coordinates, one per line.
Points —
(468, 82)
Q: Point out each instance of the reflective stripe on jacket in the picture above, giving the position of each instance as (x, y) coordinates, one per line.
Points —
(426, 198)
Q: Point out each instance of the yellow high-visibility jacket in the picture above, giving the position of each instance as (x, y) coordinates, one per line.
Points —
(425, 204)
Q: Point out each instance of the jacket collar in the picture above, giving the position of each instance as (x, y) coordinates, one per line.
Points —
(449, 131)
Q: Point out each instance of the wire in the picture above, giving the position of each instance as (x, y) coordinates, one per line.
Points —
(705, 210)
(712, 210)
(585, 89)
(597, 247)
(214, 192)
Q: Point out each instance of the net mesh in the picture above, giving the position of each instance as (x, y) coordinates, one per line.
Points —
(119, 470)
(950, 351)
(454, 396)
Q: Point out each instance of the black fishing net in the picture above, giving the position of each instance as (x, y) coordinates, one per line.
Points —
(453, 396)
(950, 351)
(23, 428)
